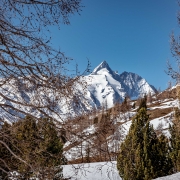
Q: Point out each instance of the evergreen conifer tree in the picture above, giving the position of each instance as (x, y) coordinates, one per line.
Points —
(175, 141)
(164, 164)
(143, 103)
(40, 147)
(129, 161)
(140, 156)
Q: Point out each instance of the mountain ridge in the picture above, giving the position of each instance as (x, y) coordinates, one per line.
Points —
(103, 86)
(108, 86)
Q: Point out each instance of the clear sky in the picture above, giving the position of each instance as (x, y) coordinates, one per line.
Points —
(131, 35)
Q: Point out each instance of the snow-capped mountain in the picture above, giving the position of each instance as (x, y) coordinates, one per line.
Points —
(107, 86)
(102, 87)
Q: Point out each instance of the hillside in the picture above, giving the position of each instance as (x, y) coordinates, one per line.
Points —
(108, 127)
(98, 146)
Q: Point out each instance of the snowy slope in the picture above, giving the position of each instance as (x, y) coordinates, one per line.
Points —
(106, 86)
(124, 120)
(108, 170)
(92, 171)
(100, 171)
(22, 98)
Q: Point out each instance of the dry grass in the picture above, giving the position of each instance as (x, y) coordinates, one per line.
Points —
(156, 113)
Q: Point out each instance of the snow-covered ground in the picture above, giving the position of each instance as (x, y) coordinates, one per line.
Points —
(92, 171)
(100, 171)
(97, 171)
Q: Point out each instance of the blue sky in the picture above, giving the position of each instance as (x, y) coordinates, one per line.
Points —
(131, 35)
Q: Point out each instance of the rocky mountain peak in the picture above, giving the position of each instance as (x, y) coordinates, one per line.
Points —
(106, 85)
(102, 65)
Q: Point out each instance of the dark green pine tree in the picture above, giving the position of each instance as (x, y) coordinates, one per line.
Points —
(150, 152)
(51, 157)
(37, 143)
(143, 103)
(164, 164)
(129, 163)
(175, 141)
(141, 154)
(156, 155)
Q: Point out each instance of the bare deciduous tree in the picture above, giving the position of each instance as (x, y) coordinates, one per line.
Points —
(33, 77)
(175, 51)
(35, 82)
(28, 64)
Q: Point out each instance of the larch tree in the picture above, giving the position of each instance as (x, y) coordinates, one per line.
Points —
(149, 97)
